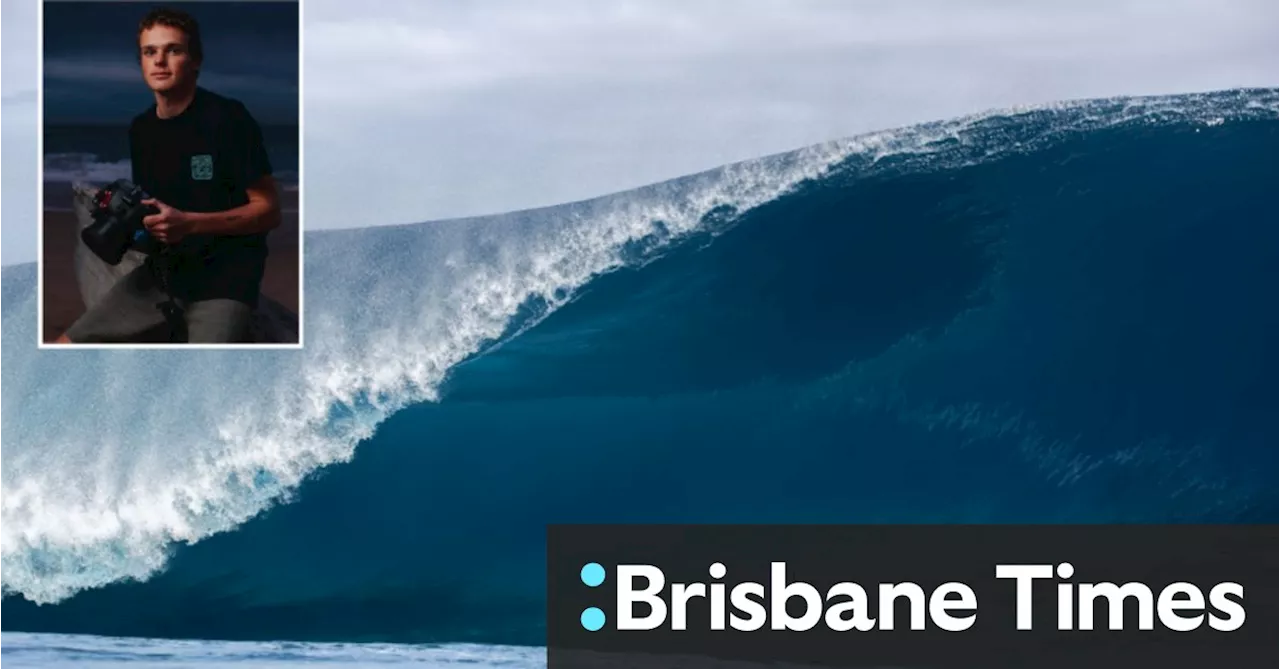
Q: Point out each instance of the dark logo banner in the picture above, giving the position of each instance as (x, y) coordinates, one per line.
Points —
(987, 596)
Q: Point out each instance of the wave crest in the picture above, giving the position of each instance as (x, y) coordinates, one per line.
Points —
(113, 457)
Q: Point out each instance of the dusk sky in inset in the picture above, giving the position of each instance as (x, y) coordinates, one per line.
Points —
(92, 75)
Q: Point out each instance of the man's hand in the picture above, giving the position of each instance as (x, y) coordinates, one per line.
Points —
(168, 226)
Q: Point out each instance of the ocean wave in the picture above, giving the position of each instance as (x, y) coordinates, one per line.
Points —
(116, 459)
(72, 167)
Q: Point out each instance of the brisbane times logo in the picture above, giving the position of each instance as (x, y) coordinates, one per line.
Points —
(643, 601)
(913, 595)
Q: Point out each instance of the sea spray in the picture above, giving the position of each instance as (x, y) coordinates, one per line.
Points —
(115, 457)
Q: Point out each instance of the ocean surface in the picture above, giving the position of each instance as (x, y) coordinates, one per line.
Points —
(100, 153)
(1051, 314)
(64, 651)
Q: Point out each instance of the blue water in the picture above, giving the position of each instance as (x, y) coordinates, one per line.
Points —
(62, 651)
(1059, 314)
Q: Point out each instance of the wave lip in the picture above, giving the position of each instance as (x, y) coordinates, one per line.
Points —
(115, 457)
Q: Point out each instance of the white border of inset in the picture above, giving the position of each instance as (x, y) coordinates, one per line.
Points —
(40, 181)
(40, 222)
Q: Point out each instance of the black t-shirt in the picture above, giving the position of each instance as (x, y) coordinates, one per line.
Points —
(204, 160)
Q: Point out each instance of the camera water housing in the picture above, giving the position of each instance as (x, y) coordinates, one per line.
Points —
(117, 222)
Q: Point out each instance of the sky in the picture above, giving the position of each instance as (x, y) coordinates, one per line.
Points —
(18, 158)
(92, 74)
(431, 109)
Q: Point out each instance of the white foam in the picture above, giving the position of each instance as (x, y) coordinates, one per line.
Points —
(72, 167)
(111, 456)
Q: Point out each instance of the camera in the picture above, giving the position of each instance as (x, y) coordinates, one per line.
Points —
(117, 222)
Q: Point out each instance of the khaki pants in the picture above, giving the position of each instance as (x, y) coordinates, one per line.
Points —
(130, 312)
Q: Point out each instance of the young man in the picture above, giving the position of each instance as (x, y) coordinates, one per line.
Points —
(201, 157)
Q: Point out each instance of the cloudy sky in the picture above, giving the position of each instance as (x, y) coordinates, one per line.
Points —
(18, 123)
(429, 109)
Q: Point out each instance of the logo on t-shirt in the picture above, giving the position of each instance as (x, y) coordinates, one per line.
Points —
(202, 167)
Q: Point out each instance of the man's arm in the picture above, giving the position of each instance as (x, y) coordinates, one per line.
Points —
(260, 214)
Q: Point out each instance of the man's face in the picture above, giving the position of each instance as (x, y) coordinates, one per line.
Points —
(166, 62)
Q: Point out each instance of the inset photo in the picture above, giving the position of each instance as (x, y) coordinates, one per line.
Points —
(171, 174)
